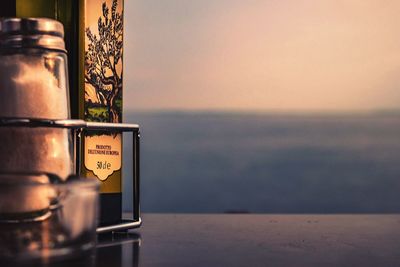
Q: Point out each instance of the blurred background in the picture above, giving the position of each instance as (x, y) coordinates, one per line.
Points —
(264, 106)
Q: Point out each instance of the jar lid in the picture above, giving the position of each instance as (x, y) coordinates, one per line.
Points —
(31, 33)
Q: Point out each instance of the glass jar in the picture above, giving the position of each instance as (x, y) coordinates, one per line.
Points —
(51, 220)
(34, 85)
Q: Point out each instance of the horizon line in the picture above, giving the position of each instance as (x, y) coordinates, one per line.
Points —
(270, 111)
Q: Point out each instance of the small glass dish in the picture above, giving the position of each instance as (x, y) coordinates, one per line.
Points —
(43, 218)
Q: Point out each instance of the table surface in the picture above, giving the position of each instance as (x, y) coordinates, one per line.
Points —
(254, 240)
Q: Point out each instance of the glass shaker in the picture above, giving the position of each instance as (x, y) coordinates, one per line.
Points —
(34, 85)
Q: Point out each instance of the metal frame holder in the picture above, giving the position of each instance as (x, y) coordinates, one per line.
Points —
(79, 126)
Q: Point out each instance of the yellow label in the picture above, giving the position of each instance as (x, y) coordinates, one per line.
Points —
(100, 84)
(103, 154)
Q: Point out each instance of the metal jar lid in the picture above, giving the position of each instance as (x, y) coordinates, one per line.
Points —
(31, 33)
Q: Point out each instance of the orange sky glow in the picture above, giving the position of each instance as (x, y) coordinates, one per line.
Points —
(262, 55)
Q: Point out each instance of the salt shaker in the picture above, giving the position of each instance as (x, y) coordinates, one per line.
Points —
(34, 85)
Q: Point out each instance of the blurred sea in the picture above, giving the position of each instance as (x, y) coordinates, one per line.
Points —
(215, 162)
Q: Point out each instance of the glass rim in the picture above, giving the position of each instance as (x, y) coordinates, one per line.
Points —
(73, 181)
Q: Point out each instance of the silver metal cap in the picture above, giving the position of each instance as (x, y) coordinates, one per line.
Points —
(31, 33)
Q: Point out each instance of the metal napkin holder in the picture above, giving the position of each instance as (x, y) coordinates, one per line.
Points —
(78, 127)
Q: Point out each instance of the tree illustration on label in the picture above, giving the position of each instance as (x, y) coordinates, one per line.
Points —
(103, 67)
(104, 157)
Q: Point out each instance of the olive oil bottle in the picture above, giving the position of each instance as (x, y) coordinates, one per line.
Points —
(100, 97)
(94, 41)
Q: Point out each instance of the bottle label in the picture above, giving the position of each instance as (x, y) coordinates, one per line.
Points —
(102, 78)
(103, 154)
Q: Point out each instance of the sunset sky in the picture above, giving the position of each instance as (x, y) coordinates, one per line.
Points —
(333, 55)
